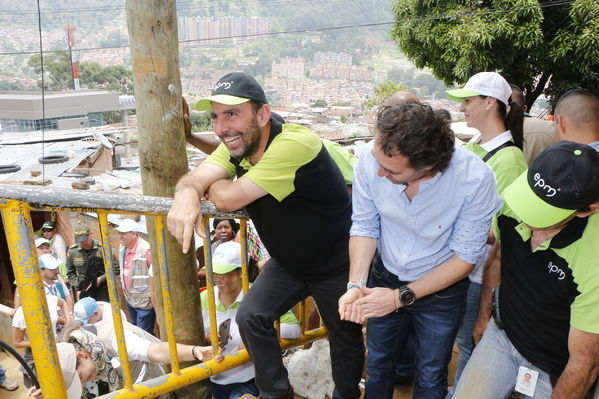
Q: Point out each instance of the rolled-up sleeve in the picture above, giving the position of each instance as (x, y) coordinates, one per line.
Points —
(472, 226)
(365, 216)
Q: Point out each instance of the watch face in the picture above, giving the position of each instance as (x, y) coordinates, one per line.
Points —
(407, 297)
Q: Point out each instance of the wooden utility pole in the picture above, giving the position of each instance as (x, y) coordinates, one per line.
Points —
(152, 26)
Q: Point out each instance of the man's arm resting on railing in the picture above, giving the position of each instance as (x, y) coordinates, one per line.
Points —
(159, 352)
(185, 213)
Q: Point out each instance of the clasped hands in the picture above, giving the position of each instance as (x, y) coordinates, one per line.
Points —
(359, 304)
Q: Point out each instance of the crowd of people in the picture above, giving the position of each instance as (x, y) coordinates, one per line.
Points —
(430, 230)
(488, 246)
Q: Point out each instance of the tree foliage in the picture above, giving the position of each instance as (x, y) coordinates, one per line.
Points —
(549, 49)
(58, 76)
(382, 92)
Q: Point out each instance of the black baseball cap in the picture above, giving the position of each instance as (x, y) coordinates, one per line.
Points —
(233, 89)
(48, 225)
(563, 179)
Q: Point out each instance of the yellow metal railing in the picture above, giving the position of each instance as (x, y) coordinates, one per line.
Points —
(16, 204)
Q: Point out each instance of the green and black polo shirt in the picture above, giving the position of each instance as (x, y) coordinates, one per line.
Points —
(304, 219)
(545, 291)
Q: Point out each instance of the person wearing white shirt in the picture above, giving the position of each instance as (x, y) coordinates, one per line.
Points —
(226, 267)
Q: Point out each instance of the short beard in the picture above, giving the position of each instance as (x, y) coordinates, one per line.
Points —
(254, 138)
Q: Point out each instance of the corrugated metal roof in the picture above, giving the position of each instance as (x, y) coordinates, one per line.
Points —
(7, 138)
(27, 156)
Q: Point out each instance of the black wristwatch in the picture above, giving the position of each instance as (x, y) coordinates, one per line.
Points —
(406, 296)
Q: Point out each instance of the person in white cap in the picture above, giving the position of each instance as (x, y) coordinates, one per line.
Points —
(145, 351)
(53, 283)
(226, 266)
(77, 368)
(135, 259)
(487, 105)
(42, 246)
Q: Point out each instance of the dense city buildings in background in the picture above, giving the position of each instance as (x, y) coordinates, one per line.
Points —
(211, 30)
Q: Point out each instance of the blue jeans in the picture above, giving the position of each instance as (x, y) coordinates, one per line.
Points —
(464, 338)
(233, 390)
(2, 375)
(493, 367)
(435, 319)
(405, 362)
(142, 318)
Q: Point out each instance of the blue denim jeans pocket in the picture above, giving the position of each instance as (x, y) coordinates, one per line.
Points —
(379, 276)
(454, 294)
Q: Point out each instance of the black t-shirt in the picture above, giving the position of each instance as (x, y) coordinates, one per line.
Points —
(537, 292)
(304, 219)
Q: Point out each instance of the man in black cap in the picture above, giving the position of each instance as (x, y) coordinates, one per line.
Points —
(546, 316)
(85, 267)
(58, 245)
(284, 173)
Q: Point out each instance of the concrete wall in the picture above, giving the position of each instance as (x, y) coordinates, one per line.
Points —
(73, 123)
(28, 105)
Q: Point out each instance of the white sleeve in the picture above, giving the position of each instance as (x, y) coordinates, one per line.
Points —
(137, 347)
(18, 320)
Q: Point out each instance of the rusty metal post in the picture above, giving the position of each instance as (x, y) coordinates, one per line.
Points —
(19, 235)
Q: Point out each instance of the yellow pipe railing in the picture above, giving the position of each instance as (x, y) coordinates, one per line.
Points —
(166, 293)
(20, 239)
(114, 301)
(18, 227)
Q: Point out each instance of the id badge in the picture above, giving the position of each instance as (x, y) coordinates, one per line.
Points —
(526, 382)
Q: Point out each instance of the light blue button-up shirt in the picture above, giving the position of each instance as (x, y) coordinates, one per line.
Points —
(451, 213)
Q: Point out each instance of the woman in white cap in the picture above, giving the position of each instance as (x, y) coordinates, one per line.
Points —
(488, 107)
(226, 267)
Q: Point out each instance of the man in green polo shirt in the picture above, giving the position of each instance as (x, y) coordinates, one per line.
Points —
(299, 203)
(546, 318)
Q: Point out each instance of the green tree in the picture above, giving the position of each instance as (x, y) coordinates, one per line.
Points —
(382, 92)
(549, 49)
(58, 76)
(319, 103)
(57, 70)
(200, 122)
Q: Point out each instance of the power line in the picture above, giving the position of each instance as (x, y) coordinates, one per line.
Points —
(182, 5)
(326, 28)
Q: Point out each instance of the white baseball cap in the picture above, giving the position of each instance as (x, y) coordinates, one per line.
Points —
(48, 261)
(84, 308)
(489, 84)
(67, 355)
(127, 225)
(226, 257)
(42, 241)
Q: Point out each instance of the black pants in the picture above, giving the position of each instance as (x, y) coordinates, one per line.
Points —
(274, 293)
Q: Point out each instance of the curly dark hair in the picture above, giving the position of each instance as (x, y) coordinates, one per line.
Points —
(418, 133)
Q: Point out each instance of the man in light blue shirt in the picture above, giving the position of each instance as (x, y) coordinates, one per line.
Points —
(427, 208)
(577, 117)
